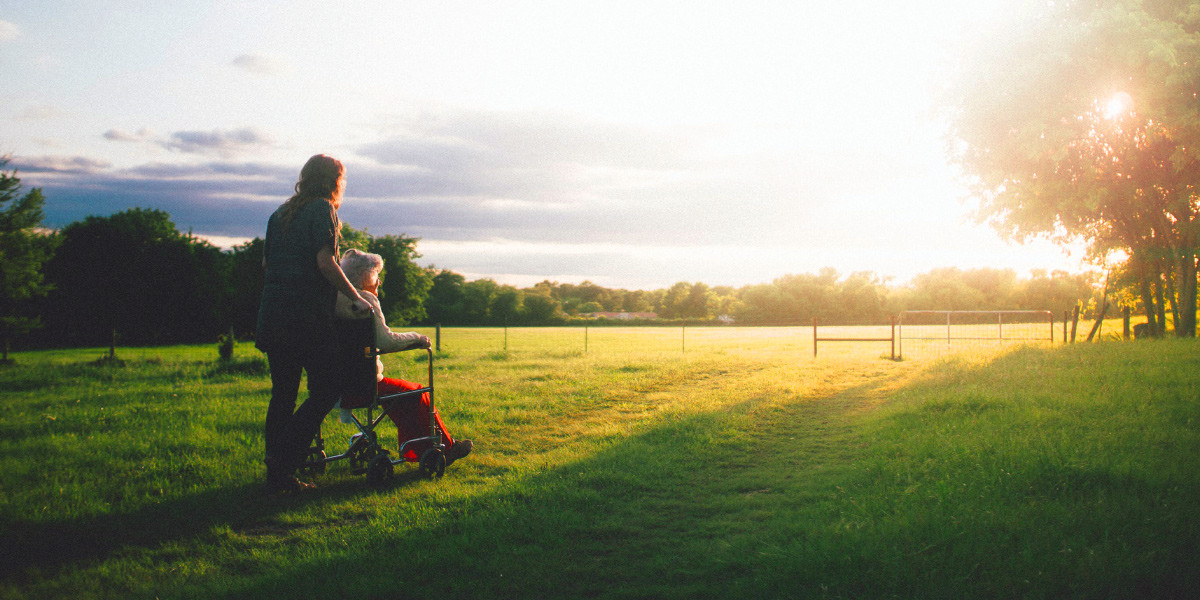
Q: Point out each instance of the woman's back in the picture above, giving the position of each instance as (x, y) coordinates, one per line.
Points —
(297, 301)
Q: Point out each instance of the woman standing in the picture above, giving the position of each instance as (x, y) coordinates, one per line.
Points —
(295, 319)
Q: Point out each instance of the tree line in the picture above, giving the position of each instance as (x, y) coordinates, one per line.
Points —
(134, 275)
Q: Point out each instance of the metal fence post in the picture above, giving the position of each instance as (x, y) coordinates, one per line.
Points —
(893, 319)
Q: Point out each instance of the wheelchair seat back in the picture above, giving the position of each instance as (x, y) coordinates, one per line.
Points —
(356, 355)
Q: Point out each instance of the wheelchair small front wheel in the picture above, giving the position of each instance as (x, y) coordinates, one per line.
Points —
(433, 463)
(379, 471)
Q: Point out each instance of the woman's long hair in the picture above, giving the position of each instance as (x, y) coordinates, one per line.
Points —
(322, 178)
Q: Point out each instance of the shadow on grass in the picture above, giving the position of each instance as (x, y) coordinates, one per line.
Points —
(37, 550)
(697, 507)
(791, 501)
(784, 498)
(556, 509)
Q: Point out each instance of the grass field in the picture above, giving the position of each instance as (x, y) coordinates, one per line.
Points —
(648, 464)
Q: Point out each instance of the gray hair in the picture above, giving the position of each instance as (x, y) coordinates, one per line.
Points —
(357, 264)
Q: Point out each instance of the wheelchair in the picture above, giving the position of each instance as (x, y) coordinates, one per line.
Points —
(356, 352)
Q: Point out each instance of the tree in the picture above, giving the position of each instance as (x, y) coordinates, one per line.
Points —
(446, 301)
(674, 301)
(478, 296)
(245, 285)
(1085, 126)
(699, 302)
(405, 286)
(541, 308)
(861, 297)
(1057, 291)
(23, 250)
(506, 304)
(136, 274)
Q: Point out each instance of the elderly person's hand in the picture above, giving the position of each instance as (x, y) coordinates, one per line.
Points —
(423, 343)
(359, 306)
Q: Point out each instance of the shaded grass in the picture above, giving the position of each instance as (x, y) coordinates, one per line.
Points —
(1067, 472)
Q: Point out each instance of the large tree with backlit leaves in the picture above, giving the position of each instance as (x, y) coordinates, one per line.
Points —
(1084, 123)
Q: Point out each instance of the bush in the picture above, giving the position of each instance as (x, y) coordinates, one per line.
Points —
(254, 366)
(225, 344)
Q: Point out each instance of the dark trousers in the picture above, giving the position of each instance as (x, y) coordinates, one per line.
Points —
(289, 432)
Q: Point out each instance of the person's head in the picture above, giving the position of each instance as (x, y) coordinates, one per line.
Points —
(323, 177)
(362, 269)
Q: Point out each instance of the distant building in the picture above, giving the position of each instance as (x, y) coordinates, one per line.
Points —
(620, 316)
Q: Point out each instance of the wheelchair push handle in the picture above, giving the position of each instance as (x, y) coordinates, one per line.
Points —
(429, 363)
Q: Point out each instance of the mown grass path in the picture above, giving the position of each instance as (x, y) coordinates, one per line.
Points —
(1041, 473)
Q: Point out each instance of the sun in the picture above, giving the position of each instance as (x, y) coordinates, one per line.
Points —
(1120, 105)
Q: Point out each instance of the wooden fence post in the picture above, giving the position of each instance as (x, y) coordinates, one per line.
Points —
(1125, 315)
(814, 337)
(437, 337)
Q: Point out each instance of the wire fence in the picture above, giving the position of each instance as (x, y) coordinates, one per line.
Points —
(910, 336)
(646, 340)
(939, 331)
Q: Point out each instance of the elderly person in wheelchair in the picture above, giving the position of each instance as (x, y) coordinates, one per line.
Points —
(411, 418)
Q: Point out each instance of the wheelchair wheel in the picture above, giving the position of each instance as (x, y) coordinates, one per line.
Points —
(433, 463)
(360, 453)
(314, 462)
(379, 471)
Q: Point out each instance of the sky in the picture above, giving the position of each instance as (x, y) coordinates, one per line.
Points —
(630, 144)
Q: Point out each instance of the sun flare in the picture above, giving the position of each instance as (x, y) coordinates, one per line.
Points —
(1120, 105)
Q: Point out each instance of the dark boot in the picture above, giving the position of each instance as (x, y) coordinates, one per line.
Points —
(460, 449)
(282, 479)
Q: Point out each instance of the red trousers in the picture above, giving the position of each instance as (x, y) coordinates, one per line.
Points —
(411, 417)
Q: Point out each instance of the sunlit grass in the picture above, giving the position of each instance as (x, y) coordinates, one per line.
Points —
(631, 469)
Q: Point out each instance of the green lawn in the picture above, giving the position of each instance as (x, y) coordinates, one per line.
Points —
(658, 464)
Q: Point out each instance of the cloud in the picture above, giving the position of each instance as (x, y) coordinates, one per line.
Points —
(215, 171)
(528, 170)
(569, 197)
(119, 135)
(224, 143)
(219, 198)
(260, 64)
(74, 165)
(8, 31)
(555, 178)
(499, 140)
